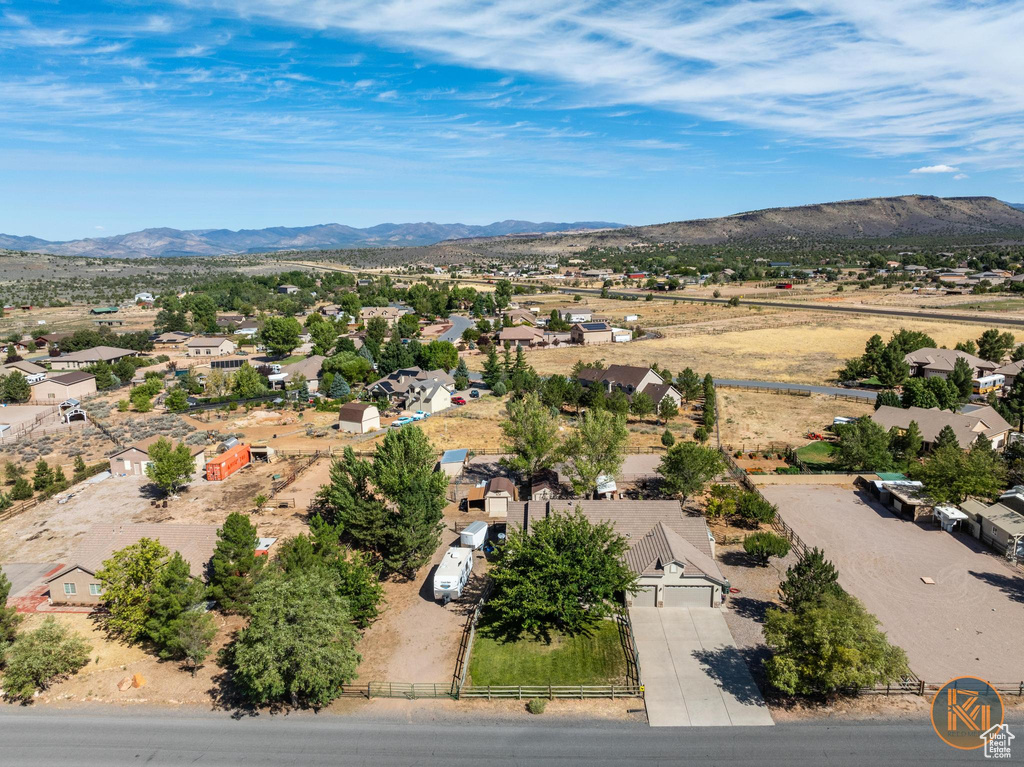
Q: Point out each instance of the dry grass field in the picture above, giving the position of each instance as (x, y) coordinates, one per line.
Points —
(747, 418)
(795, 346)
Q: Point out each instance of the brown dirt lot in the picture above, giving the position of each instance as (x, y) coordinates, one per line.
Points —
(968, 622)
(747, 419)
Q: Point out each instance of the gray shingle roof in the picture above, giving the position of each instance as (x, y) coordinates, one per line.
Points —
(967, 426)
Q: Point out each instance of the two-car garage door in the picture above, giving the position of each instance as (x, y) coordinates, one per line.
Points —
(674, 596)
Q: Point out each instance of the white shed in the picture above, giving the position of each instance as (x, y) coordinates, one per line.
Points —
(358, 417)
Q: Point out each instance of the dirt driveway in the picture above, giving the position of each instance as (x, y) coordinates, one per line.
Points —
(969, 622)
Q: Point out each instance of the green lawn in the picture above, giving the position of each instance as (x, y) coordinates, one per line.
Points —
(594, 659)
(816, 453)
(290, 360)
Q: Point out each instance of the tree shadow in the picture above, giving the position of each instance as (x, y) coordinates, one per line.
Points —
(737, 558)
(735, 670)
(750, 608)
(1010, 585)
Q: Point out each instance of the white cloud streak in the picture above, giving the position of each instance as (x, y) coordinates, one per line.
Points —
(894, 77)
(935, 169)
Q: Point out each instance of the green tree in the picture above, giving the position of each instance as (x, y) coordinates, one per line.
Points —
(911, 442)
(961, 379)
(642, 405)
(493, 371)
(892, 370)
(617, 402)
(281, 335)
(247, 382)
(1014, 401)
(563, 575)
(391, 506)
(993, 345)
(597, 449)
(917, 394)
(873, 354)
(127, 580)
(233, 567)
(863, 446)
(177, 400)
(1017, 354)
(324, 335)
(170, 468)
(141, 399)
(754, 509)
(531, 436)
(687, 467)
(16, 388)
(174, 593)
(22, 490)
(829, 646)
(299, 646)
(440, 355)
(950, 475)
(809, 580)
(394, 355)
(43, 478)
(194, 632)
(762, 546)
(689, 384)
(966, 346)
(888, 398)
(9, 618)
(37, 658)
(667, 409)
(667, 438)
(377, 329)
(105, 378)
(946, 438)
(339, 387)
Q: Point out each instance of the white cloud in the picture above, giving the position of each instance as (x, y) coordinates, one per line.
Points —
(935, 169)
(912, 76)
(960, 176)
(99, 228)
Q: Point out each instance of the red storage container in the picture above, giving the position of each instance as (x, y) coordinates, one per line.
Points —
(226, 464)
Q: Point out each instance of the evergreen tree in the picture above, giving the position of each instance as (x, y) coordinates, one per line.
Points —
(809, 580)
(15, 388)
(642, 405)
(667, 439)
(945, 438)
(1014, 401)
(9, 618)
(492, 368)
(892, 370)
(961, 379)
(873, 351)
(43, 478)
(174, 591)
(22, 490)
(993, 345)
(234, 564)
(689, 384)
(888, 398)
(339, 387)
(911, 442)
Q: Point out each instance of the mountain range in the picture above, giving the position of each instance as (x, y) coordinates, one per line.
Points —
(214, 242)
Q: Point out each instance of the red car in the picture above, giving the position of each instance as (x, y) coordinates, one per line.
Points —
(458, 401)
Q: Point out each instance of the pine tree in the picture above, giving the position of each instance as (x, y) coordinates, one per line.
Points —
(174, 591)
(339, 387)
(961, 379)
(43, 477)
(945, 438)
(911, 442)
(234, 564)
(9, 618)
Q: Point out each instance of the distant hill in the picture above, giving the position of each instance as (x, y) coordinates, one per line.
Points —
(1017, 205)
(877, 217)
(213, 242)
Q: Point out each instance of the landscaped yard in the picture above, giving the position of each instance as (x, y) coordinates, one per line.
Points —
(597, 658)
(819, 452)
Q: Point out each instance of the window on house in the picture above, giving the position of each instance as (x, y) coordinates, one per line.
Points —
(94, 589)
(70, 589)
(51, 395)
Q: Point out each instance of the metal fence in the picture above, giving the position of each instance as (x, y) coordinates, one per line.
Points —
(628, 640)
(579, 692)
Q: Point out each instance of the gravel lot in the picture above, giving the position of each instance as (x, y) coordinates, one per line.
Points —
(969, 622)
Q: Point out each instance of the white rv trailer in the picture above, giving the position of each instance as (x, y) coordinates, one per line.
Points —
(474, 536)
(452, 574)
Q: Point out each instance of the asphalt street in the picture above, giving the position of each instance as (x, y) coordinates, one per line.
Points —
(112, 737)
(813, 388)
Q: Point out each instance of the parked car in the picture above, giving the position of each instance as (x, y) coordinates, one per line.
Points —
(399, 422)
(474, 394)
(419, 415)
(458, 401)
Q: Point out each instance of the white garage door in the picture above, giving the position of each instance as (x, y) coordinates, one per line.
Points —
(687, 596)
(646, 596)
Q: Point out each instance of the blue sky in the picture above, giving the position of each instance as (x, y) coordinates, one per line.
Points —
(117, 116)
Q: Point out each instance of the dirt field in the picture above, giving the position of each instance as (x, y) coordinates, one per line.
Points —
(798, 347)
(748, 419)
(968, 622)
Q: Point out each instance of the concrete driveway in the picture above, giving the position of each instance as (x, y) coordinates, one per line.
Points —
(692, 672)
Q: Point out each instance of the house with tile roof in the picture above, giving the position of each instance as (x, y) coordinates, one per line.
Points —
(929, 363)
(971, 422)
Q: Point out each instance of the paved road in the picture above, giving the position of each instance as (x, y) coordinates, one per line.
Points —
(862, 393)
(692, 673)
(114, 737)
(459, 325)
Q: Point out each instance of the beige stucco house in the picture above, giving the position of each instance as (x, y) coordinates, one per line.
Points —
(133, 459)
(210, 346)
(591, 333)
(59, 388)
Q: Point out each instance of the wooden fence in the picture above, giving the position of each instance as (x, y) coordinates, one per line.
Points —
(628, 640)
(18, 508)
(793, 392)
(282, 483)
(409, 691)
(579, 692)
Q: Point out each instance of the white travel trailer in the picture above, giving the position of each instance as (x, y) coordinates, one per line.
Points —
(452, 574)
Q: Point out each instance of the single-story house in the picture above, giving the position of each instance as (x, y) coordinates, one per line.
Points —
(309, 368)
(1010, 372)
(590, 333)
(247, 328)
(967, 425)
(51, 339)
(33, 373)
(133, 459)
(172, 338)
(520, 335)
(87, 357)
(631, 379)
(288, 289)
(230, 320)
(210, 346)
(574, 314)
(453, 462)
(358, 417)
(929, 363)
(76, 583)
(673, 555)
(76, 385)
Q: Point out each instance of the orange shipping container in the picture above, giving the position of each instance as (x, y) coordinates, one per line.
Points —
(226, 464)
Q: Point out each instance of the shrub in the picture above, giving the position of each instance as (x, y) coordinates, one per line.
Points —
(762, 546)
(754, 509)
(667, 439)
(38, 657)
(536, 705)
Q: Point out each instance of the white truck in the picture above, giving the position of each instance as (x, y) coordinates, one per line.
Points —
(452, 574)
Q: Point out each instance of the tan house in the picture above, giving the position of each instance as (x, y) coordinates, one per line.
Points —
(971, 422)
(401, 387)
(210, 346)
(1010, 372)
(429, 396)
(631, 379)
(358, 418)
(591, 333)
(309, 369)
(931, 363)
(87, 357)
(33, 373)
(172, 339)
(498, 492)
(520, 335)
(76, 385)
(133, 460)
(76, 583)
(520, 317)
(390, 314)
